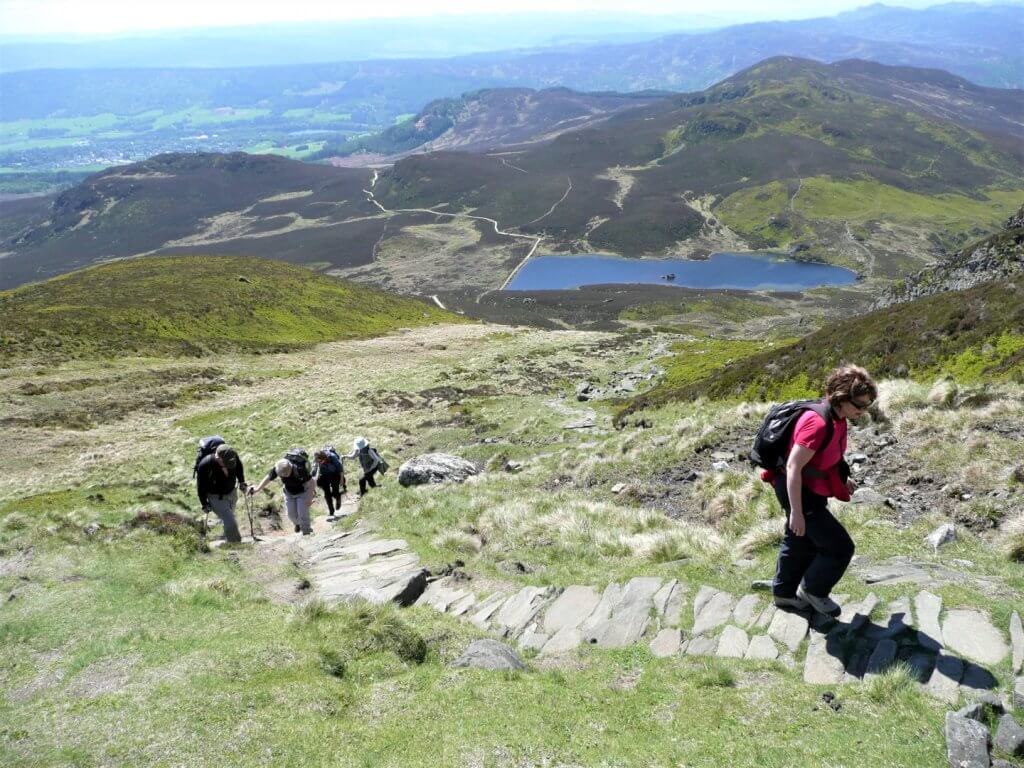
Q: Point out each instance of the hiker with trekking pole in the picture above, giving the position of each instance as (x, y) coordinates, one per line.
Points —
(299, 487)
(800, 445)
(217, 474)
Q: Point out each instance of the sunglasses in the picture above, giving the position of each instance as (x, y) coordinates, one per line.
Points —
(861, 406)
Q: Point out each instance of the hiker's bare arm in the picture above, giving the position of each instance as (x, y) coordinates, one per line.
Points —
(798, 458)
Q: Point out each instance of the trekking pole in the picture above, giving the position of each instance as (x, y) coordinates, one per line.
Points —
(206, 528)
(248, 508)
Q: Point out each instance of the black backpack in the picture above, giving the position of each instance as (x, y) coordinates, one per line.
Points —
(301, 472)
(207, 445)
(772, 440)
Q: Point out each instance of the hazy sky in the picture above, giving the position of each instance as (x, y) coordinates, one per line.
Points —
(98, 17)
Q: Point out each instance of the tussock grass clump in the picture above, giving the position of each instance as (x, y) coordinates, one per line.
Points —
(459, 541)
(1012, 538)
(892, 686)
(714, 674)
(764, 536)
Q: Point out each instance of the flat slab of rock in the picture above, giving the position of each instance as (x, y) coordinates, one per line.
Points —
(571, 608)
(966, 742)
(482, 613)
(629, 616)
(927, 608)
(881, 658)
(747, 610)
(666, 643)
(435, 468)
(1018, 692)
(762, 647)
(564, 640)
(944, 684)
(896, 620)
(788, 628)
(489, 654)
(1017, 642)
(824, 662)
(714, 611)
(519, 610)
(668, 602)
(732, 643)
(971, 634)
(702, 646)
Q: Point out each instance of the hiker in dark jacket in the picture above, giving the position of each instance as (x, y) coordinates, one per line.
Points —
(369, 461)
(216, 479)
(330, 478)
(299, 488)
(816, 548)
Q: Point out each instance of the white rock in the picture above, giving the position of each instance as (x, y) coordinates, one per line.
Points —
(666, 643)
(762, 647)
(571, 608)
(714, 613)
(1017, 642)
(747, 610)
(971, 634)
(732, 643)
(944, 534)
(927, 607)
(790, 629)
(618, 488)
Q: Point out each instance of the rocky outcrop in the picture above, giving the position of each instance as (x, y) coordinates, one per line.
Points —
(435, 468)
(1000, 256)
(489, 654)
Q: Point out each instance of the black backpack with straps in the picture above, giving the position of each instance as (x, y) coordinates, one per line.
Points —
(301, 472)
(771, 443)
(207, 445)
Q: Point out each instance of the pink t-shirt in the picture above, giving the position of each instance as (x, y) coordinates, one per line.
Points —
(810, 433)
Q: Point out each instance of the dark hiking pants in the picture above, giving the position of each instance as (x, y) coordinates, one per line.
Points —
(331, 486)
(367, 479)
(820, 557)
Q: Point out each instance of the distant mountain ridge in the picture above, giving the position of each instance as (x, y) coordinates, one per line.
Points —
(491, 119)
(977, 42)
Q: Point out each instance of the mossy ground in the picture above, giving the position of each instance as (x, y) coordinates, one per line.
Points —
(129, 646)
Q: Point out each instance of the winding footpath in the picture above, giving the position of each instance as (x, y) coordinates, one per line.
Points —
(535, 239)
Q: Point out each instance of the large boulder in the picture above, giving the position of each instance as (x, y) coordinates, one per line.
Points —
(489, 654)
(435, 468)
(966, 742)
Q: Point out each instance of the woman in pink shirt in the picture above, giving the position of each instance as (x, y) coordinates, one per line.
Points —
(816, 549)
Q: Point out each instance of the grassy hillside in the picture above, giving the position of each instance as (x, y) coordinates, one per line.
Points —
(134, 647)
(974, 336)
(193, 304)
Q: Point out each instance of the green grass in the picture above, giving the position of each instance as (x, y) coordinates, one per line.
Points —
(294, 151)
(974, 336)
(764, 213)
(185, 305)
(135, 648)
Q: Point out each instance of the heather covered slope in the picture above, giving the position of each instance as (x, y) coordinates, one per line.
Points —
(829, 160)
(879, 169)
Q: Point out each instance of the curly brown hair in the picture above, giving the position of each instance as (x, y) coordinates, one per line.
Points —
(847, 382)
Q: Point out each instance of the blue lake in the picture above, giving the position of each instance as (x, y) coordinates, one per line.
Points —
(752, 272)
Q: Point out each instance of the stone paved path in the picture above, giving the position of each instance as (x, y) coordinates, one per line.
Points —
(950, 651)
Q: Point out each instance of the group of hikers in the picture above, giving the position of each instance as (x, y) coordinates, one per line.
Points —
(220, 476)
(800, 448)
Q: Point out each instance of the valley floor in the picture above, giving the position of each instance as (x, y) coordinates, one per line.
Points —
(123, 643)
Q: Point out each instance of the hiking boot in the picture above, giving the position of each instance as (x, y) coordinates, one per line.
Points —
(330, 518)
(297, 529)
(791, 603)
(825, 605)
